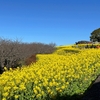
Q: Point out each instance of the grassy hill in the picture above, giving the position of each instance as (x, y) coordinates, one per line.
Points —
(63, 75)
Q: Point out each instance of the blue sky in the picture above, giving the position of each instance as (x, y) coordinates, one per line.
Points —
(49, 21)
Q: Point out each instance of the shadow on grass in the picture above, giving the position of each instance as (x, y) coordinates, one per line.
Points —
(74, 97)
(93, 92)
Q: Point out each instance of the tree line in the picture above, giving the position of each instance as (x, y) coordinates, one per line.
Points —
(94, 37)
(15, 53)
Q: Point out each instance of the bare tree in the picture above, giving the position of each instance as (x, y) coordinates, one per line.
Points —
(9, 53)
(15, 53)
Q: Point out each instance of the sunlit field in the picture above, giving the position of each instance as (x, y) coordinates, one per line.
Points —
(68, 71)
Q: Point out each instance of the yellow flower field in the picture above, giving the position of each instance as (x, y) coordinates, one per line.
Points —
(52, 76)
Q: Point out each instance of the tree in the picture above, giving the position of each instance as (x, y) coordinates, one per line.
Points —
(95, 35)
(83, 42)
(16, 53)
(9, 53)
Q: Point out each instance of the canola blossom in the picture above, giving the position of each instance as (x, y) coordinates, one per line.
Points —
(52, 76)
